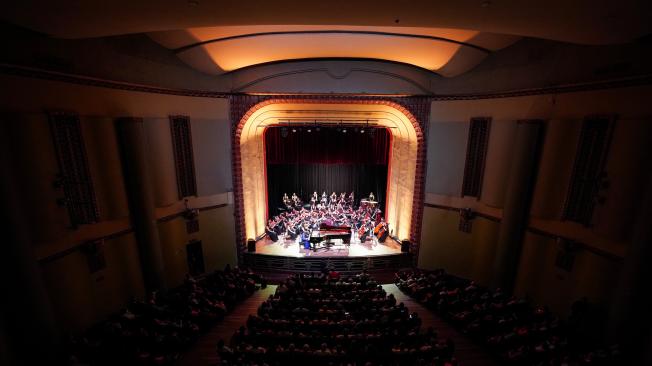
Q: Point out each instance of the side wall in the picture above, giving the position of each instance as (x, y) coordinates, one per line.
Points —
(79, 297)
(602, 246)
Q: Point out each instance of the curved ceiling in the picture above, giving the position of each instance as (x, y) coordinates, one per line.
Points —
(579, 21)
(447, 37)
(215, 50)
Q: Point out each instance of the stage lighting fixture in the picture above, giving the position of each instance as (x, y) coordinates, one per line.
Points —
(309, 130)
(344, 130)
(294, 130)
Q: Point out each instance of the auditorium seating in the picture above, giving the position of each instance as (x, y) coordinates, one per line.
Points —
(517, 332)
(158, 330)
(323, 319)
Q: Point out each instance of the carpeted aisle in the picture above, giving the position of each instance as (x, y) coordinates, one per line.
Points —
(467, 352)
(204, 352)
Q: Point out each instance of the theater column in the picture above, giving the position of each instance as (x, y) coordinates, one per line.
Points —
(131, 135)
(29, 334)
(518, 195)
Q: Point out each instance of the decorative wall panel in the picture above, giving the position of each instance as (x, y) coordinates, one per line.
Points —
(476, 154)
(183, 156)
(588, 176)
(74, 175)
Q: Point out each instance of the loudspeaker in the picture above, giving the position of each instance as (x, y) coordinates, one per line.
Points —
(251, 245)
(405, 246)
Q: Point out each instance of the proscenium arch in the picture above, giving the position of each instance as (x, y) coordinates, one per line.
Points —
(405, 167)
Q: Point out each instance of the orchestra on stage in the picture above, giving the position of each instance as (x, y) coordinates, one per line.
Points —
(321, 220)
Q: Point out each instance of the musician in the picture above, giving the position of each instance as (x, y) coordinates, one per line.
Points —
(286, 201)
(324, 199)
(333, 200)
(381, 231)
(297, 201)
(313, 201)
(279, 225)
(371, 196)
(376, 214)
(351, 199)
(291, 231)
(306, 230)
(269, 230)
(306, 227)
(366, 230)
(371, 224)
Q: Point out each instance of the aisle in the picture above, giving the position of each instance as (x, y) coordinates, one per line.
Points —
(204, 352)
(467, 352)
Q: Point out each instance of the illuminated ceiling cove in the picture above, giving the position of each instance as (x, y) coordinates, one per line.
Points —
(216, 50)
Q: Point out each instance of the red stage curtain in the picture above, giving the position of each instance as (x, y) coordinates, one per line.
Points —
(327, 146)
(328, 160)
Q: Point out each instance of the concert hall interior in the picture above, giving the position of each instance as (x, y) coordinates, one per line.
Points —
(447, 183)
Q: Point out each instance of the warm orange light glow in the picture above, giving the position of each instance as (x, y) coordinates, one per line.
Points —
(403, 160)
(180, 38)
(218, 49)
(242, 52)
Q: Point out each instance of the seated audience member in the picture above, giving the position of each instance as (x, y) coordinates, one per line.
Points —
(517, 332)
(329, 319)
(157, 331)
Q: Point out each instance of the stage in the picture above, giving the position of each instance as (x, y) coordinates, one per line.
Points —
(289, 248)
(329, 188)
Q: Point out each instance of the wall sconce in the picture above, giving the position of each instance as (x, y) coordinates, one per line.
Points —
(191, 216)
(566, 249)
(190, 213)
(466, 220)
(94, 251)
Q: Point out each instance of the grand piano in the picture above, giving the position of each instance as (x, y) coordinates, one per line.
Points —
(327, 233)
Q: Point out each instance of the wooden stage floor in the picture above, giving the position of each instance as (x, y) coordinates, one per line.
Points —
(288, 248)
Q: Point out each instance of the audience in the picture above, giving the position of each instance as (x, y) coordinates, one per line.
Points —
(517, 332)
(157, 330)
(330, 319)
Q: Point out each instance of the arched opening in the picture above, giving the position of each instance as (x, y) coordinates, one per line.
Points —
(405, 168)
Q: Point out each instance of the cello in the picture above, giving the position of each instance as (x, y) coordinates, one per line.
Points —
(362, 233)
(380, 232)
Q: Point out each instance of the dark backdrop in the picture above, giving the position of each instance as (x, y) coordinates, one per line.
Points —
(326, 160)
